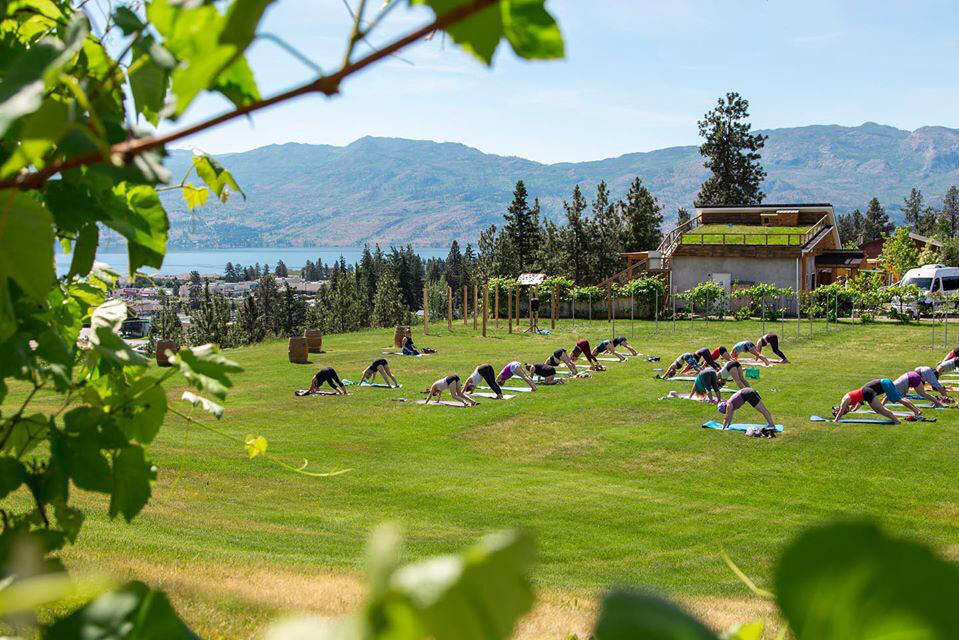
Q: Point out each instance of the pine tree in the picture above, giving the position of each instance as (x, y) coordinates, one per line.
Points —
(950, 209)
(550, 256)
(486, 253)
(927, 222)
(848, 235)
(165, 324)
(522, 227)
(876, 224)
(731, 154)
(281, 271)
(576, 240)
(267, 300)
(248, 327)
(643, 219)
(682, 216)
(469, 263)
(209, 322)
(388, 307)
(455, 270)
(912, 209)
(609, 232)
(859, 227)
(291, 312)
(229, 273)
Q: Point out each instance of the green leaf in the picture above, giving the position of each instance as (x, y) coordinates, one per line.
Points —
(200, 401)
(40, 132)
(127, 20)
(141, 417)
(22, 89)
(531, 30)
(852, 581)
(78, 450)
(215, 176)
(237, 83)
(26, 243)
(747, 631)
(110, 315)
(138, 215)
(242, 20)
(12, 475)
(195, 197)
(255, 445)
(474, 596)
(131, 482)
(68, 519)
(478, 34)
(84, 251)
(26, 435)
(133, 612)
(205, 369)
(627, 615)
(148, 81)
(112, 347)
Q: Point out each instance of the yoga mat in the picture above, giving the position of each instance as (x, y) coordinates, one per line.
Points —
(852, 420)
(378, 385)
(713, 424)
(400, 353)
(445, 403)
(306, 392)
(905, 415)
(680, 379)
(610, 360)
(921, 405)
(518, 389)
(492, 396)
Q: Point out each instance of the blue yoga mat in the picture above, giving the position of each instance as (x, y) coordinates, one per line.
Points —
(852, 420)
(712, 424)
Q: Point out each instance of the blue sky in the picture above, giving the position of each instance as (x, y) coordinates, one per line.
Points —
(636, 77)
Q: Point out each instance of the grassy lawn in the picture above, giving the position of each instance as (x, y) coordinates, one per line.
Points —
(616, 485)
(713, 234)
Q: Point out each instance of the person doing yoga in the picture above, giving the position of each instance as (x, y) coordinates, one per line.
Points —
(952, 354)
(561, 357)
(930, 377)
(582, 348)
(706, 356)
(409, 349)
(946, 366)
(772, 340)
(451, 383)
(483, 372)
(515, 368)
(732, 370)
(707, 383)
(869, 394)
(721, 352)
(738, 399)
(620, 341)
(382, 367)
(685, 363)
(748, 347)
(914, 380)
(546, 373)
(328, 375)
(607, 346)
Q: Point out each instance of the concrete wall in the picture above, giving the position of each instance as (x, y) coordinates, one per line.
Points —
(688, 271)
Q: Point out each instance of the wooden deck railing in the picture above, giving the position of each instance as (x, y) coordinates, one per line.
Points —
(751, 239)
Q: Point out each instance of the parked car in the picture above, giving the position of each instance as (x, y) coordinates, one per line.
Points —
(930, 279)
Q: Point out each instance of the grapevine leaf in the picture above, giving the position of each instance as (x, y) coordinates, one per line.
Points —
(748, 631)
(237, 83)
(531, 30)
(138, 215)
(627, 615)
(852, 581)
(148, 81)
(140, 417)
(128, 21)
(84, 251)
(110, 315)
(111, 346)
(12, 475)
(195, 196)
(69, 519)
(206, 404)
(205, 369)
(40, 132)
(242, 20)
(131, 482)
(132, 612)
(479, 34)
(26, 243)
(215, 176)
(255, 445)
(22, 89)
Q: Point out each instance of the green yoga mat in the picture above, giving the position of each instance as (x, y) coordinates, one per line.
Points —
(852, 420)
(713, 424)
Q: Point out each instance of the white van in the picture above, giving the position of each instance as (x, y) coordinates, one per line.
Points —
(930, 278)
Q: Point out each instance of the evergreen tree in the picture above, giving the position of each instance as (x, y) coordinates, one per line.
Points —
(388, 307)
(522, 227)
(469, 263)
(682, 216)
(486, 253)
(248, 327)
(876, 224)
(165, 324)
(576, 238)
(551, 249)
(267, 300)
(858, 226)
(950, 209)
(609, 232)
(912, 209)
(455, 269)
(732, 154)
(291, 312)
(229, 274)
(643, 219)
(848, 235)
(209, 322)
(281, 271)
(928, 220)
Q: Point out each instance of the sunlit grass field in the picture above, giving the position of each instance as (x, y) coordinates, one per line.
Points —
(616, 485)
(755, 234)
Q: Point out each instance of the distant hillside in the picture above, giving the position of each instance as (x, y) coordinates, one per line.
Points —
(391, 190)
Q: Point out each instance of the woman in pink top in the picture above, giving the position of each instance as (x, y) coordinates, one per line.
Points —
(912, 380)
(515, 368)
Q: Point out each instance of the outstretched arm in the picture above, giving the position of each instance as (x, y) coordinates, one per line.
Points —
(729, 415)
(761, 357)
(909, 405)
(529, 381)
(569, 363)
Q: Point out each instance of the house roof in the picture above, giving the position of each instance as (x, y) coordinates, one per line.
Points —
(840, 258)
(800, 205)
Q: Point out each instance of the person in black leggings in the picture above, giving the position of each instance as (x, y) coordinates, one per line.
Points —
(483, 372)
(546, 372)
(328, 375)
(620, 341)
(561, 357)
(382, 367)
(706, 356)
(772, 340)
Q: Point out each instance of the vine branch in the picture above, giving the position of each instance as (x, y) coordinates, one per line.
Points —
(329, 85)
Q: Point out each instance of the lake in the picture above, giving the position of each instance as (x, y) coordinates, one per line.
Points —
(214, 260)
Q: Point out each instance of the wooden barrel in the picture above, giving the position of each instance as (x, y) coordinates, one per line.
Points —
(299, 353)
(399, 334)
(314, 340)
(161, 348)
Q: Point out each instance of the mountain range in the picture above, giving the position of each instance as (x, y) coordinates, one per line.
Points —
(393, 190)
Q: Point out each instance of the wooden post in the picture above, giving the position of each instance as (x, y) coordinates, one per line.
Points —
(466, 310)
(552, 309)
(529, 307)
(485, 307)
(609, 302)
(519, 306)
(449, 308)
(475, 303)
(426, 309)
(496, 306)
(509, 309)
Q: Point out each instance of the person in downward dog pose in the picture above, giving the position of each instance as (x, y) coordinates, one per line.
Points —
(686, 363)
(706, 356)
(620, 341)
(748, 347)
(732, 370)
(382, 367)
(608, 346)
(738, 399)
(946, 366)
(515, 368)
(546, 373)
(915, 380)
(952, 354)
(582, 348)
(772, 340)
(561, 357)
(328, 375)
(707, 383)
(721, 352)
(869, 394)
(451, 383)
(483, 372)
